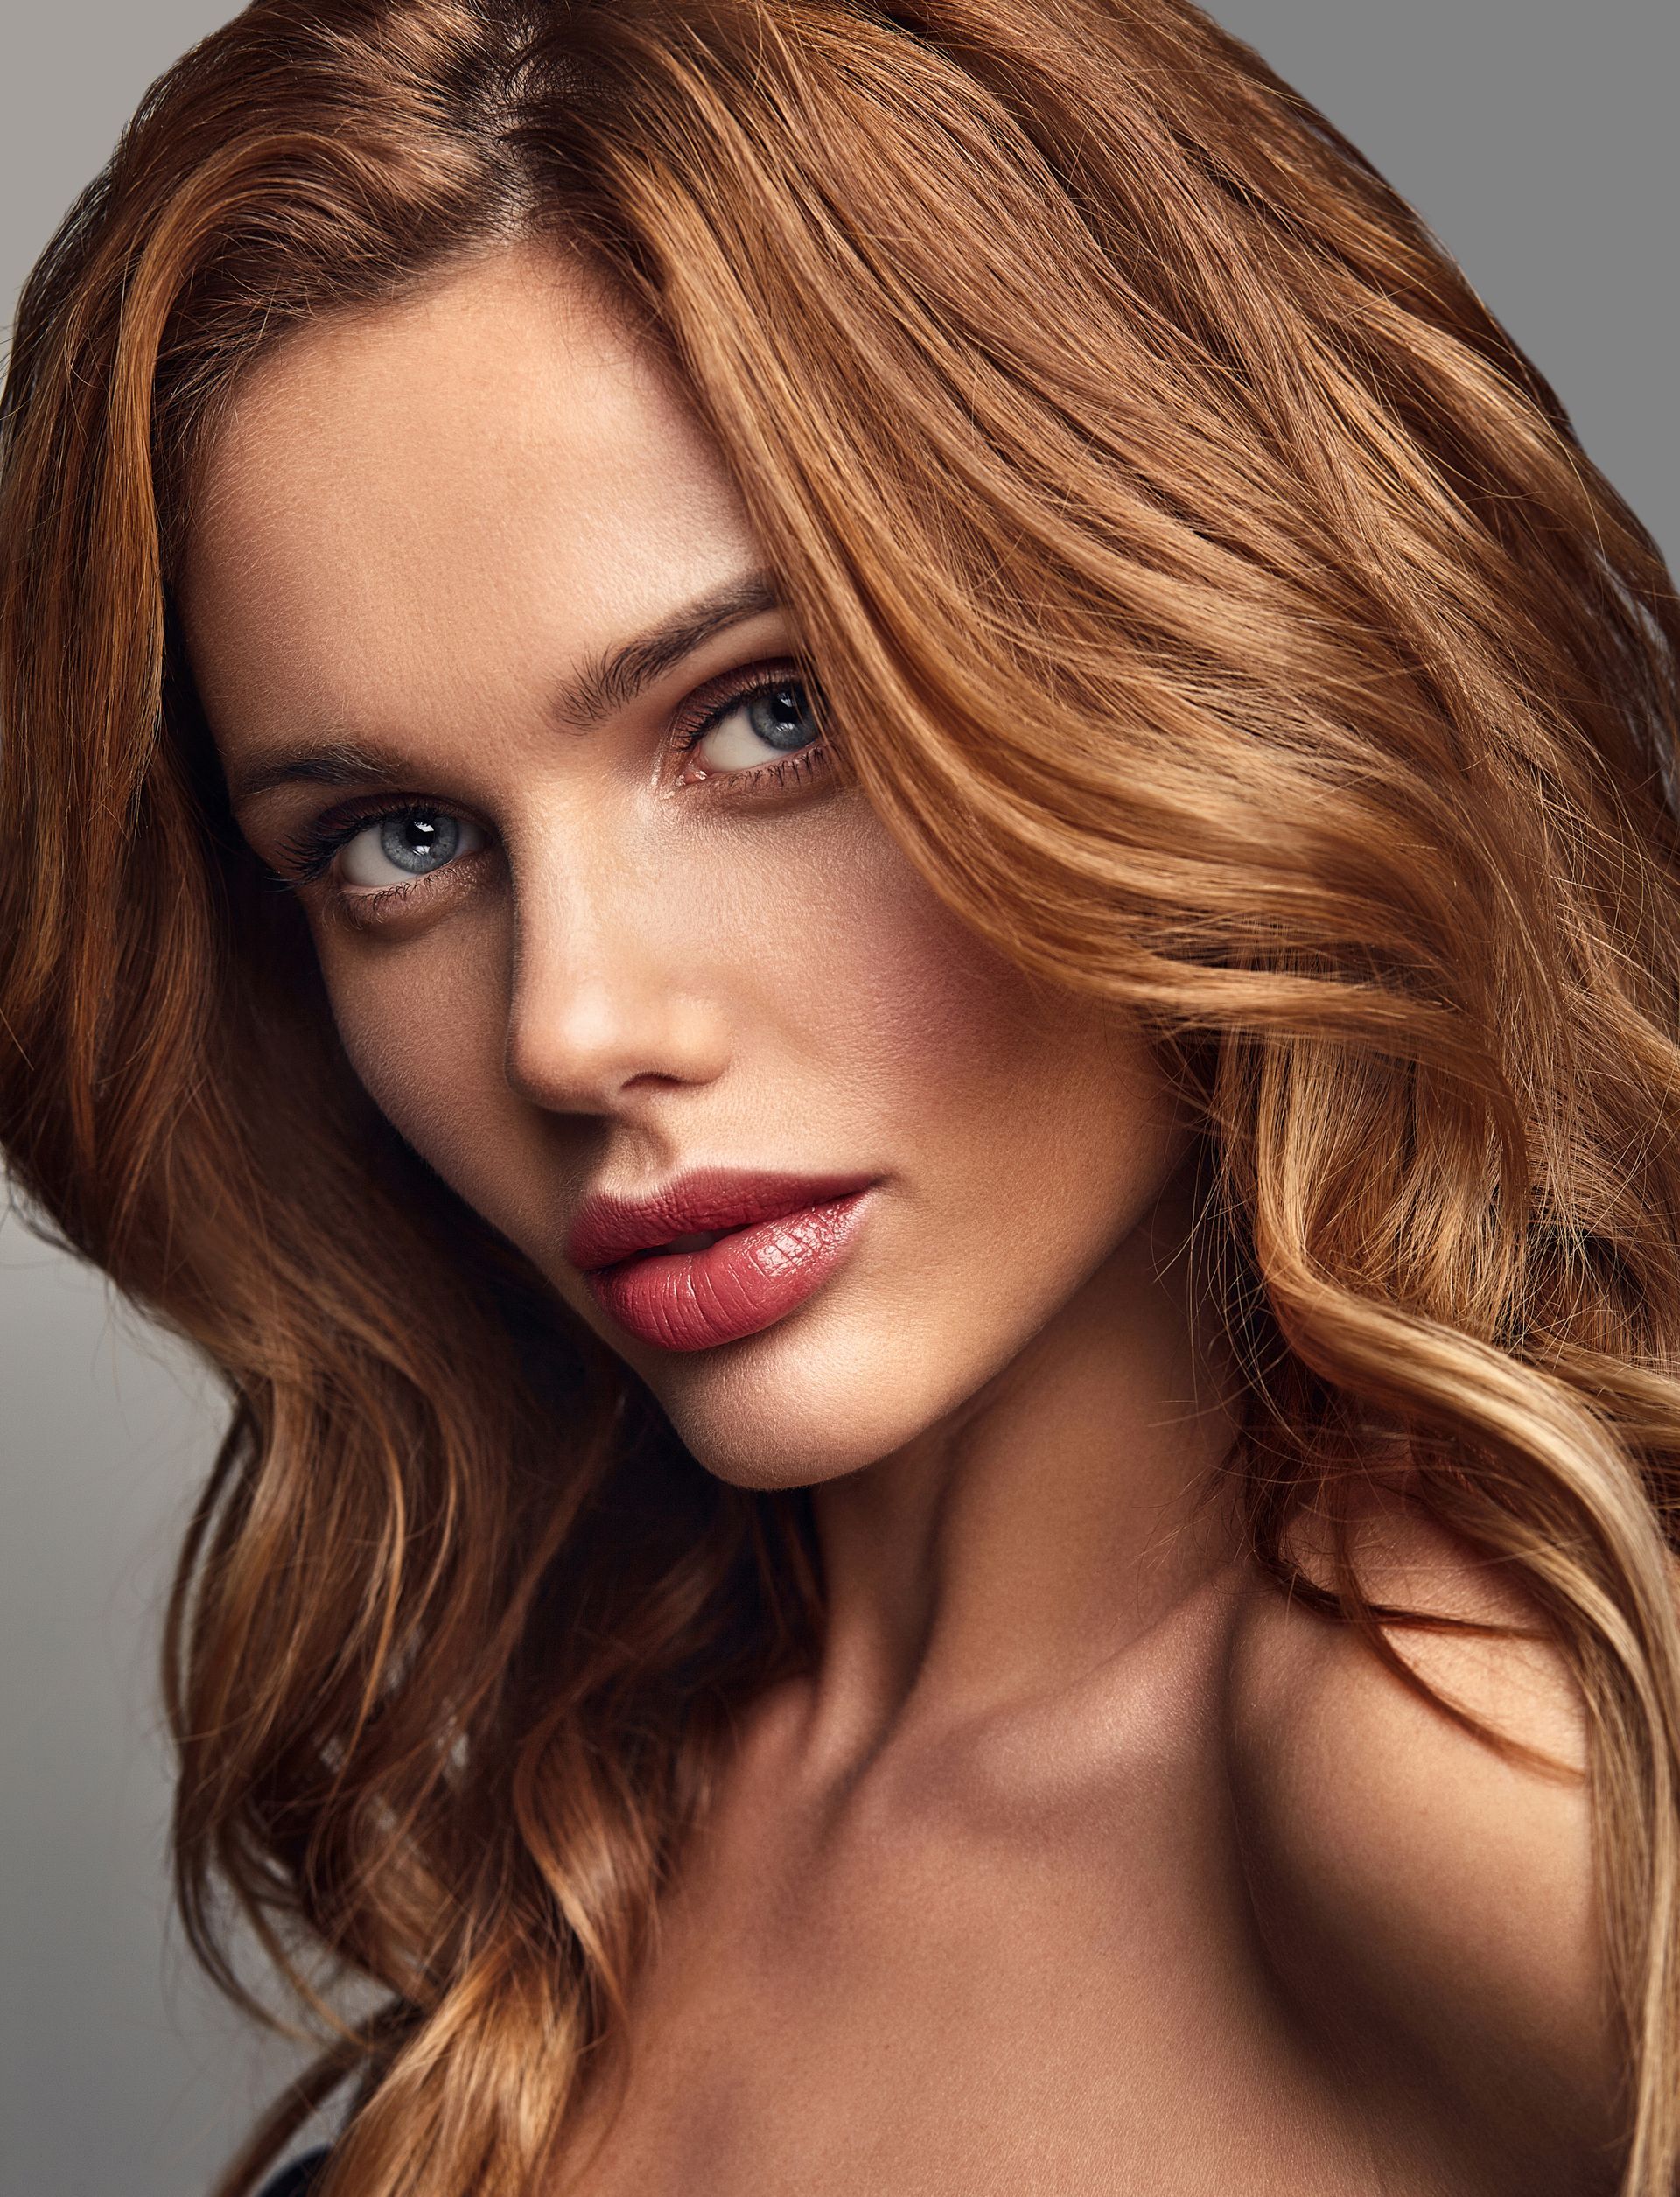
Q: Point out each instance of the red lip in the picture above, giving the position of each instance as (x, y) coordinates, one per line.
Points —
(783, 1236)
(608, 1229)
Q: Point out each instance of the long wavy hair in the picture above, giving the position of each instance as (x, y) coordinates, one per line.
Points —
(1217, 606)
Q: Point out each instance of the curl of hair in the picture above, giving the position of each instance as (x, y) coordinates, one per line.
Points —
(1219, 609)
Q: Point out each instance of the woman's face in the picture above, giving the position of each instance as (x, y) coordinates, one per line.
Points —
(482, 635)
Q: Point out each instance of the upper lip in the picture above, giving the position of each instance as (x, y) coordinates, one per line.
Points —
(607, 1228)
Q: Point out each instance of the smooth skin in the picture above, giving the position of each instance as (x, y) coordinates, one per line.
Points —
(1084, 1864)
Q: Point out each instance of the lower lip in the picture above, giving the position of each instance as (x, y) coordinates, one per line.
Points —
(746, 1281)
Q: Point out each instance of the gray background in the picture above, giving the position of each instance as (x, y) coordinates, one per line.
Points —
(1535, 135)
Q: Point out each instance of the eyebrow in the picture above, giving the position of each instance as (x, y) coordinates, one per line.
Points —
(601, 685)
(608, 682)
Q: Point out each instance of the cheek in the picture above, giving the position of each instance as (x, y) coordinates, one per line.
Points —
(424, 1026)
(1008, 1092)
(893, 992)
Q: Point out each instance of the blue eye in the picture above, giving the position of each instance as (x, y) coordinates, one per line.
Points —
(408, 843)
(758, 727)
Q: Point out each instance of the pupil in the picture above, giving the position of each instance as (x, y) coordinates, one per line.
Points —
(420, 840)
(780, 719)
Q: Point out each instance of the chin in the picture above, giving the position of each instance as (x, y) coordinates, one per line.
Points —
(764, 1413)
(794, 1405)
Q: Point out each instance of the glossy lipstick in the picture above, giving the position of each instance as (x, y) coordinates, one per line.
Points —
(778, 1239)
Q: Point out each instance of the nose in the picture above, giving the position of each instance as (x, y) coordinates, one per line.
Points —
(607, 1000)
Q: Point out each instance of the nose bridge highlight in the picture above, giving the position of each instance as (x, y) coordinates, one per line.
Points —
(603, 993)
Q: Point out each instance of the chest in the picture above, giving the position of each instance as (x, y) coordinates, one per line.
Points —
(1065, 2001)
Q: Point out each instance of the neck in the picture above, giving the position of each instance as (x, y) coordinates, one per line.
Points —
(1061, 1512)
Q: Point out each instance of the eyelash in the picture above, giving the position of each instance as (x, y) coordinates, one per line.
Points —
(311, 853)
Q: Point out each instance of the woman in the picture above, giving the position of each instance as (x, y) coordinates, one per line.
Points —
(847, 835)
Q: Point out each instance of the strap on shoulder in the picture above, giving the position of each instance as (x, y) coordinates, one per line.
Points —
(298, 2177)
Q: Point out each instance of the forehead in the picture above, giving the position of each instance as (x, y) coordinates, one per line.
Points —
(453, 488)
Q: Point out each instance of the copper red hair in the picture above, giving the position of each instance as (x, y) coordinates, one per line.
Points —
(1219, 608)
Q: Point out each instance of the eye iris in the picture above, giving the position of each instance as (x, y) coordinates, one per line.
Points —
(419, 840)
(779, 718)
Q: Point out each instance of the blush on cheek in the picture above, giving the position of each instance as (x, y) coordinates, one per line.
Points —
(940, 1028)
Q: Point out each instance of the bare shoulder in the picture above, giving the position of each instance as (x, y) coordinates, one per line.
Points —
(1425, 1900)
